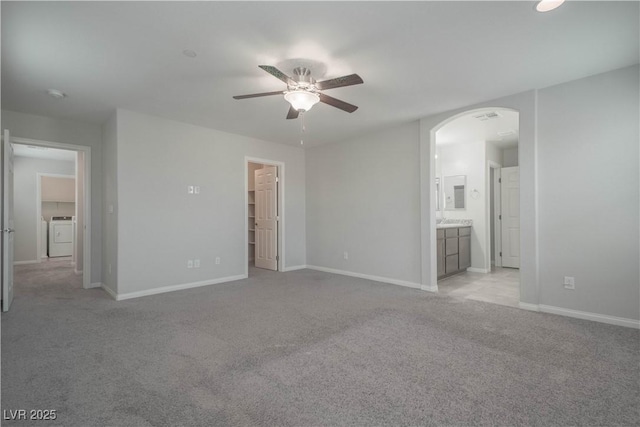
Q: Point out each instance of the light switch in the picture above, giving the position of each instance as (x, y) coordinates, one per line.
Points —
(190, 189)
(196, 189)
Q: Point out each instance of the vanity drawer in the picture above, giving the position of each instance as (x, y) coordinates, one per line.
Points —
(440, 234)
(451, 232)
(466, 231)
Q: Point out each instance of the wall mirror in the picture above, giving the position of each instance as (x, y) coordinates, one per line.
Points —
(455, 192)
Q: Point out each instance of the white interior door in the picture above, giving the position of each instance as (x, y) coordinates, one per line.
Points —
(7, 222)
(266, 196)
(510, 194)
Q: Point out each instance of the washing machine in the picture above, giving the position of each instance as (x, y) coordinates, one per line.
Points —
(60, 236)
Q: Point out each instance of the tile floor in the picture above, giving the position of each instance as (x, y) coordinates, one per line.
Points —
(501, 286)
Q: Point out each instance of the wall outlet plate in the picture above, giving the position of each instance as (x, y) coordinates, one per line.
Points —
(217, 260)
(190, 263)
(196, 263)
(190, 189)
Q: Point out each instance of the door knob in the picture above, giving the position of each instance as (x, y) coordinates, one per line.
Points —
(8, 230)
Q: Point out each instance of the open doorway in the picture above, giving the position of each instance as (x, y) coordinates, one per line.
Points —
(477, 213)
(52, 211)
(264, 192)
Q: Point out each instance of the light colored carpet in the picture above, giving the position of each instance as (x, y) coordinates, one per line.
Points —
(309, 348)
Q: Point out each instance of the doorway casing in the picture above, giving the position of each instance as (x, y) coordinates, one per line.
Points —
(86, 243)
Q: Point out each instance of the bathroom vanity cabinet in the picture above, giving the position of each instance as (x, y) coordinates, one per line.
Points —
(454, 249)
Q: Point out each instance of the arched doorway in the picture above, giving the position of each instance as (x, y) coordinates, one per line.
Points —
(525, 105)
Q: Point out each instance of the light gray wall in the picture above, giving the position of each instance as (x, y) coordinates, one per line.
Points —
(70, 132)
(26, 201)
(160, 226)
(509, 157)
(588, 142)
(363, 197)
(110, 204)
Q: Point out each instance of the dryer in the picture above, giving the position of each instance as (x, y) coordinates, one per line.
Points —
(60, 236)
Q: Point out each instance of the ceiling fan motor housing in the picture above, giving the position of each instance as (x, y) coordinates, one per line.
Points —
(302, 76)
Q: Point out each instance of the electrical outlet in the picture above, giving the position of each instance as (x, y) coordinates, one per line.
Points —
(196, 189)
(190, 263)
(217, 260)
(346, 255)
(196, 263)
(569, 282)
(190, 189)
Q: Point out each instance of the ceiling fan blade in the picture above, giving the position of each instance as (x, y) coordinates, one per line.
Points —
(352, 79)
(256, 95)
(277, 73)
(349, 108)
(293, 113)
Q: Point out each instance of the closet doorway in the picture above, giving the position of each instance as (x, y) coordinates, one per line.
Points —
(265, 222)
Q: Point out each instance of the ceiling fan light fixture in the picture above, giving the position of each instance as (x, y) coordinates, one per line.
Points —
(547, 5)
(302, 100)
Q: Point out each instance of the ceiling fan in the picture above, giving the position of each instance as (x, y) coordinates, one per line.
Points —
(303, 92)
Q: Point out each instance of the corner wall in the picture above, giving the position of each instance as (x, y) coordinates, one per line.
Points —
(363, 197)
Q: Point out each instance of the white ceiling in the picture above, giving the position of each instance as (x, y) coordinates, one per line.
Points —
(416, 58)
(469, 128)
(43, 153)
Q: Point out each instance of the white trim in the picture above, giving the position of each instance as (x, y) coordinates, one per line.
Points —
(108, 290)
(86, 249)
(180, 287)
(78, 273)
(527, 306)
(584, 315)
(479, 270)
(367, 276)
(95, 285)
(294, 268)
(491, 227)
(31, 261)
(281, 210)
(429, 288)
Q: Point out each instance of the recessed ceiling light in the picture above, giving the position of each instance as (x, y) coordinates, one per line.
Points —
(547, 5)
(57, 94)
(190, 53)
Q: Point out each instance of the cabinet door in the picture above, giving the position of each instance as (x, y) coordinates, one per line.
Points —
(451, 264)
(440, 246)
(464, 252)
(451, 246)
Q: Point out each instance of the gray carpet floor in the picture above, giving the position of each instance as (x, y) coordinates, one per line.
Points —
(307, 348)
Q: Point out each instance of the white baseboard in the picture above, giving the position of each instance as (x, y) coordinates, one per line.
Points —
(94, 285)
(31, 261)
(73, 263)
(182, 286)
(429, 288)
(584, 315)
(478, 270)
(110, 291)
(44, 257)
(527, 306)
(367, 276)
(294, 268)
(78, 272)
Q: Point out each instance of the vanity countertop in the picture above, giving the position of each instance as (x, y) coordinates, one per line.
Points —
(452, 225)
